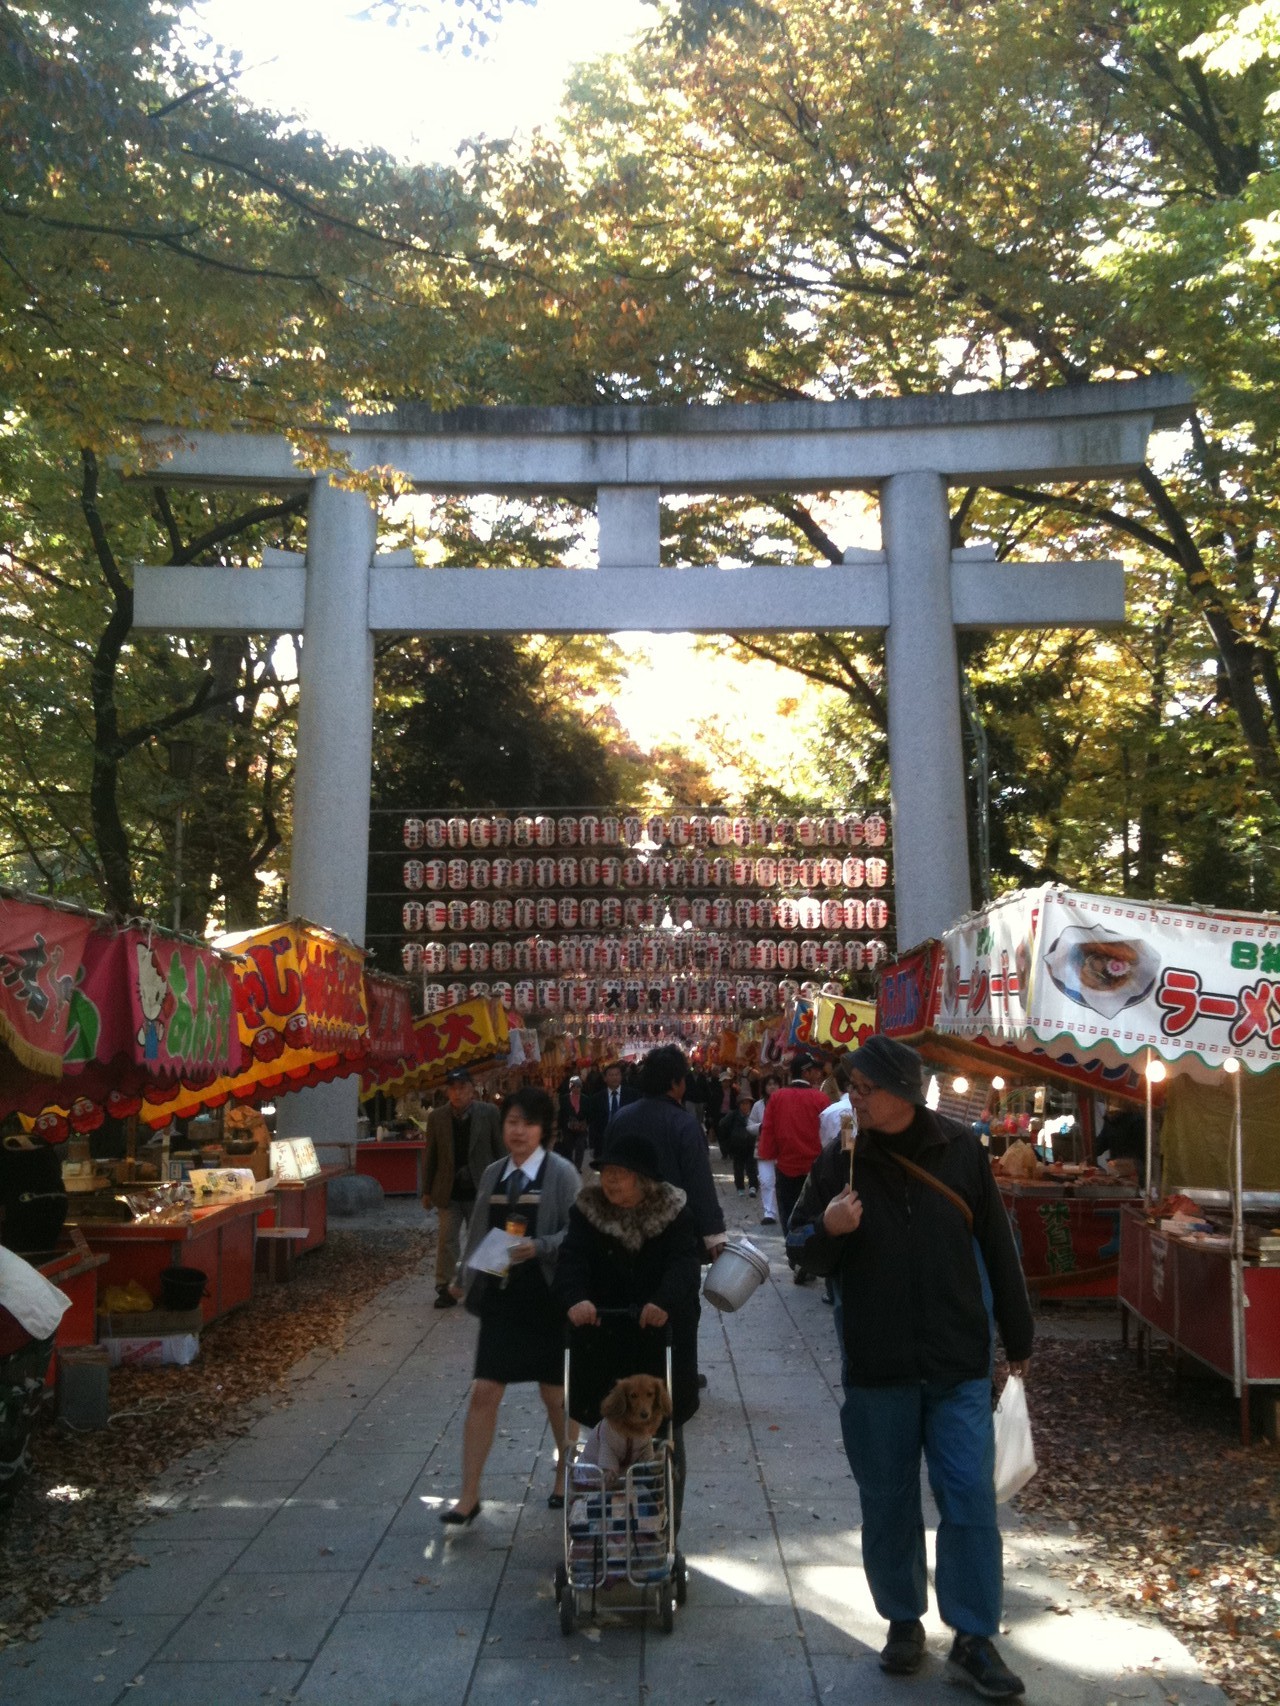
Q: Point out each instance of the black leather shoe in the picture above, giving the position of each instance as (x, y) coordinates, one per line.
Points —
(445, 1299)
(461, 1519)
(903, 1653)
(974, 1659)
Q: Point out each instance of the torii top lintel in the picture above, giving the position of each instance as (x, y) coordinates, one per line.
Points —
(976, 437)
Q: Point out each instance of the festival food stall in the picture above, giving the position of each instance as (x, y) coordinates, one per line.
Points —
(1191, 997)
(1065, 1217)
(473, 1033)
(93, 1015)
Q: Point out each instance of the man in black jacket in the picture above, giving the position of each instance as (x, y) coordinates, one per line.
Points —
(677, 1135)
(898, 1221)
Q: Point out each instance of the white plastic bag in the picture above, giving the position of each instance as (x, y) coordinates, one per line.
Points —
(1015, 1450)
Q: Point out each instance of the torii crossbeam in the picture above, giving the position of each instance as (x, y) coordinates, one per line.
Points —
(916, 590)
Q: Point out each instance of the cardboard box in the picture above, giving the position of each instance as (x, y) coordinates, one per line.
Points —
(170, 1350)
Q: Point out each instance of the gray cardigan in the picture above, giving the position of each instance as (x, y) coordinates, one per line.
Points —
(559, 1184)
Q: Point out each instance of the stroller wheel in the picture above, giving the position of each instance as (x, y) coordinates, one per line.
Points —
(667, 1605)
(564, 1599)
(681, 1579)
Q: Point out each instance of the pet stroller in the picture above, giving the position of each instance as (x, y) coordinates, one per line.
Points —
(624, 1532)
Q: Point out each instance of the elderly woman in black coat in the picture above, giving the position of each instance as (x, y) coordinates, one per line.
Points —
(632, 1245)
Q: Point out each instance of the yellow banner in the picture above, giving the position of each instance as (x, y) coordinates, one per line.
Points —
(300, 1008)
(472, 1032)
(841, 1023)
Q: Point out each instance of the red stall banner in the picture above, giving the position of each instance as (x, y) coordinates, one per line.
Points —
(41, 954)
(300, 1013)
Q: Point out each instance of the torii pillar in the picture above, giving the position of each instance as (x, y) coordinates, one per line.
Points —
(909, 450)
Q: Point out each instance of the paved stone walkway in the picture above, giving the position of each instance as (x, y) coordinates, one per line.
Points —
(305, 1562)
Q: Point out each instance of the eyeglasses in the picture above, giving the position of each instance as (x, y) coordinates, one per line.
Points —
(862, 1091)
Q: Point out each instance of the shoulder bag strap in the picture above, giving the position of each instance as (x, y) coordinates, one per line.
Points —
(935, 1184)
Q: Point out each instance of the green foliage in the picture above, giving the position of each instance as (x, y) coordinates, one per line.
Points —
(825, 198)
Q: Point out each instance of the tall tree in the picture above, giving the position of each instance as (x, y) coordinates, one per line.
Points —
(775, 198)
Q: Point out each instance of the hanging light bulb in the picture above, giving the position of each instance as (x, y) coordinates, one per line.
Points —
(960, 1086)
(1156, 1071)
(1231, 1065)
(997, 1083)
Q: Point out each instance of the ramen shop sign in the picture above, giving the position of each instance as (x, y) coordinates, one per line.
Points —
(1115, 979)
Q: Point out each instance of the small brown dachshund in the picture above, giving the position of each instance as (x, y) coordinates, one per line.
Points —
(630, 1416)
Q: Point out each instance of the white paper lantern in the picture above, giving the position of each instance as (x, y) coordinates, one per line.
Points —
(589, 870)
(767, 913)
(459, 916)
(481, 832)
(524, 913)
(569, 912)
(522, 832)
(413, 915)
(412, 871)
(546, 912)
(459, 956)
(524, 953)
(479, 872)
(807, 873)
(877, 873)
(502, 832)
(435, 915)
(435, 997)
(854, 871)
(567, 872)
(877, 914)
(831, 873)
(435, 956)
(479, 914)
(877, 953)
(544, 832)
(876, 830)
(787, 871)
(500, 956)
(459, 832)
(456, 994)
(413, 833)
(411, 956)
(435, 833)
(589, 914)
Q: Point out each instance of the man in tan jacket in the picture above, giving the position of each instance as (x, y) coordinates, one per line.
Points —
(462, 1139)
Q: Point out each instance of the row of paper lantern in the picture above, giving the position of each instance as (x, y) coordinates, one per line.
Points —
(833, 957)
(566, 912)
(677, 831)
(603, 954)
(555, 995)
(589, 872)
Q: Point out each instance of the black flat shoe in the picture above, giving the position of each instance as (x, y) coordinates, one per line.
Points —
(555, 1501)
(461, 1519)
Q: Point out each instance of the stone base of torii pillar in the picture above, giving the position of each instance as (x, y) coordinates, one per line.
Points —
(917, 590)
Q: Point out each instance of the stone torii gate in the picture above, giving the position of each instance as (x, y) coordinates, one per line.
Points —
(916, 589)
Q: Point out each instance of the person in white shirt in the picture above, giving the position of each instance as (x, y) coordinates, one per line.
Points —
(768, 1173)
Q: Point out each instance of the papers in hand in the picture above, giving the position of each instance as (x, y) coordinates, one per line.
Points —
(492, 1255)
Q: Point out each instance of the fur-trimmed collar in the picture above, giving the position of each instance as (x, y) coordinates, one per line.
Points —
(631, 1227)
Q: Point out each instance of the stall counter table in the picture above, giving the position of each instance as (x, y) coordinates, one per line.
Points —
(303, 1203)
(219, 1240)
(1068, 1236)
(393, 1162)
(1182, 1290)
(75, 1273)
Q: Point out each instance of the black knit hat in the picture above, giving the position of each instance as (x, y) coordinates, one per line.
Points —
(890, 1065)
(635, 1153)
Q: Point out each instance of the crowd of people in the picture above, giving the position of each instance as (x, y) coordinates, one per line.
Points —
(891, 1204)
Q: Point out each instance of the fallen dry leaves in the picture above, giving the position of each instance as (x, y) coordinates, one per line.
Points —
(72, 1525)
(1168, 1513)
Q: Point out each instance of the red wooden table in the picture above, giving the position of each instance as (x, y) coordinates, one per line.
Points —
(219, 1241)
(1182, 1291)
(393, 1163)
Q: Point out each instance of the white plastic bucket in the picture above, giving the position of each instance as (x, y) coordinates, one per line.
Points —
(734, 1275)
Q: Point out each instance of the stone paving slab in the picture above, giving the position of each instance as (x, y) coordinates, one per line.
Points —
(305, 1561)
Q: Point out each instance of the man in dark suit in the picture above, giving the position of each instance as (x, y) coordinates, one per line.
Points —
(462, 1139)
(603, 1106)
(661, 1115)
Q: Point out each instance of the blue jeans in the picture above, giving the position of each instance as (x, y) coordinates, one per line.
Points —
(885, 1429)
